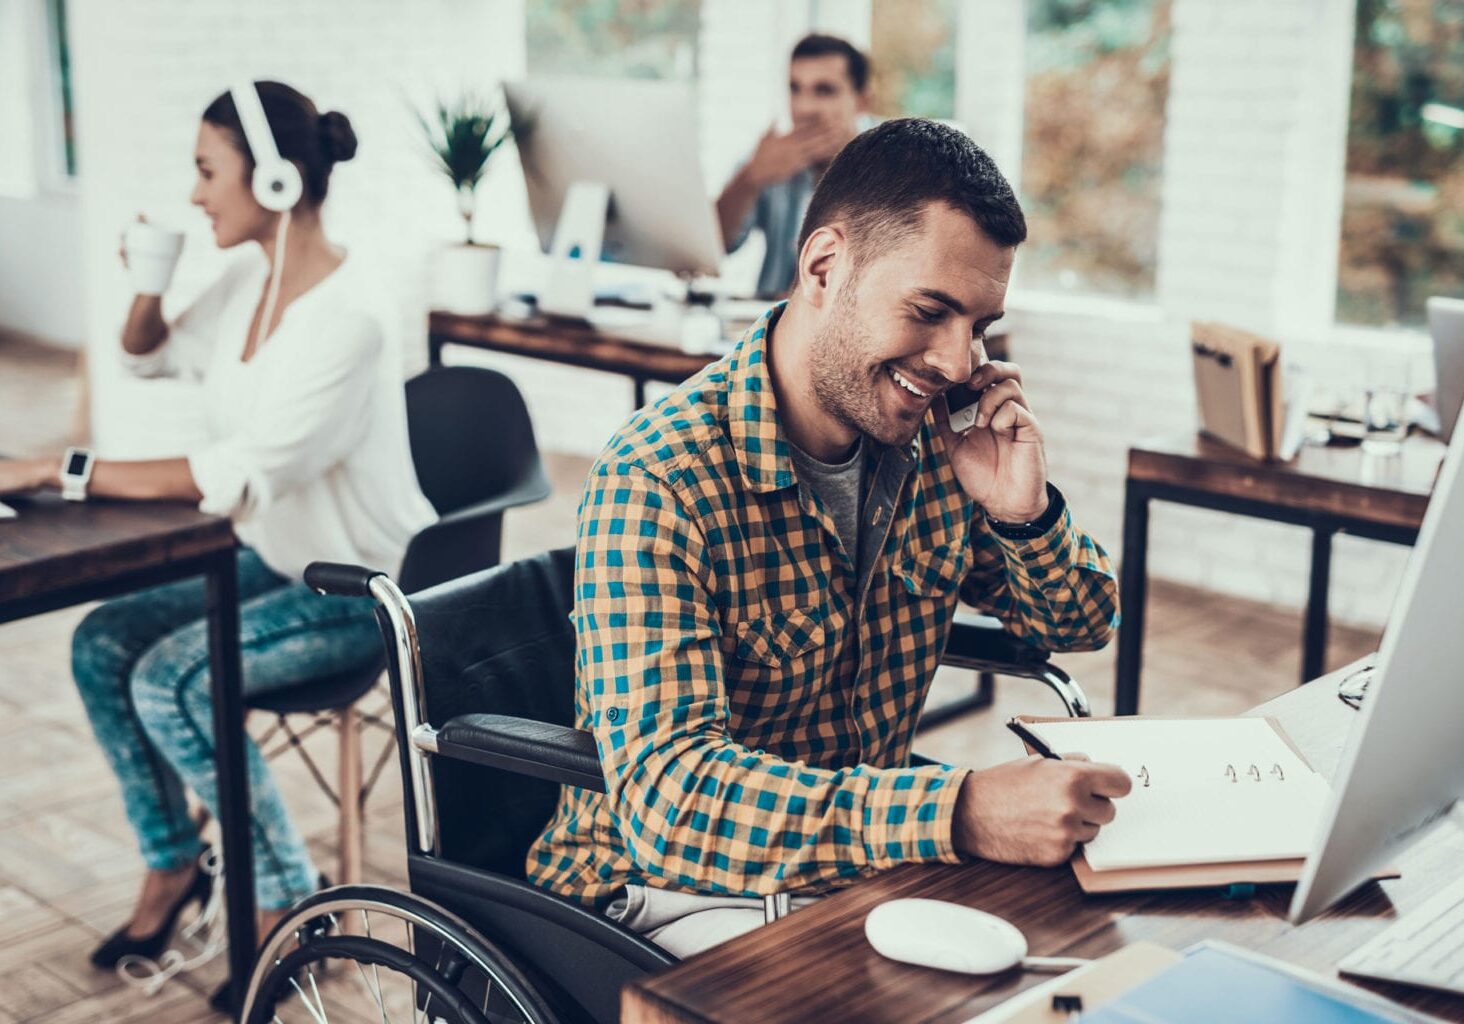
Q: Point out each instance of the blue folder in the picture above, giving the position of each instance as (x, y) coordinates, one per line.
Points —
(1212, 986)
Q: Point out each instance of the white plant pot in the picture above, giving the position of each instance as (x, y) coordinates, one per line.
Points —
(465, 279)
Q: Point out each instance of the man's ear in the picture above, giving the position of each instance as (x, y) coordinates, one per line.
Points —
(816, 262)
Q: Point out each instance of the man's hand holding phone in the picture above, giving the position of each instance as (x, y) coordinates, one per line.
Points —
(996, 444)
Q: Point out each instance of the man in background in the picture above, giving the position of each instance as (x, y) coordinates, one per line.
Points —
(828, 90)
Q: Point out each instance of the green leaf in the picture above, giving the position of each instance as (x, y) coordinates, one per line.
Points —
(463, 137)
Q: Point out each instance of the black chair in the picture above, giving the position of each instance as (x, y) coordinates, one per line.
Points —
(482, 672)
(474, 453)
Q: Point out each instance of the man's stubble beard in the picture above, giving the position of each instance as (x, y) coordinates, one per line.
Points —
(841, 384)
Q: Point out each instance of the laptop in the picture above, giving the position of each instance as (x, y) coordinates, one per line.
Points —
(1446, 325)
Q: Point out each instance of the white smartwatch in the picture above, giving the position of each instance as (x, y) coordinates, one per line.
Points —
(76, 471)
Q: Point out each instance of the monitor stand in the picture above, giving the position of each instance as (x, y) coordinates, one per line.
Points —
(578, 239)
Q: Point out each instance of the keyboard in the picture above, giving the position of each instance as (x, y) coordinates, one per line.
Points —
(1423, 947)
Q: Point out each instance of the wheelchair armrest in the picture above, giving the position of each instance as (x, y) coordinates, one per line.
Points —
(981, 638)
(554, 752)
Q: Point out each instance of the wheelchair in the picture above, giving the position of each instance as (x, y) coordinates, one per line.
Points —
(482, 679)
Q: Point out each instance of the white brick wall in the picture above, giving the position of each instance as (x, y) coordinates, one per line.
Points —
(1099, 387)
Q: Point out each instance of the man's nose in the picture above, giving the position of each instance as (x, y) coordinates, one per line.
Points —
(953, 354)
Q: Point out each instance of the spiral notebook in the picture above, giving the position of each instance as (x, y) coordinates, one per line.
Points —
(1215, 801)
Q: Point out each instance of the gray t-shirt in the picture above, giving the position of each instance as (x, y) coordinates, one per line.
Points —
(838, 487)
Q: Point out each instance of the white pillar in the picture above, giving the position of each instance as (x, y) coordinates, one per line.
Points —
(991, 84)
(1254, 147)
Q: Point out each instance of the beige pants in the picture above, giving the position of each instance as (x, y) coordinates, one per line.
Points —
(684, 923)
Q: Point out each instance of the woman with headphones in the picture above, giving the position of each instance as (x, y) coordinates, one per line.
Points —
(308, 455)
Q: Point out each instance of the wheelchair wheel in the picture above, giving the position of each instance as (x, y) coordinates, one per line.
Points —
(368, 953)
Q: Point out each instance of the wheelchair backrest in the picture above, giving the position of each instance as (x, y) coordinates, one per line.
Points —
(499, 642)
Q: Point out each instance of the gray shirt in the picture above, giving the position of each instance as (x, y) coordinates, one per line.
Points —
(838, 487)
(778, 214)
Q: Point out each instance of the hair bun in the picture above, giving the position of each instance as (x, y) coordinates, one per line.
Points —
(337, 138)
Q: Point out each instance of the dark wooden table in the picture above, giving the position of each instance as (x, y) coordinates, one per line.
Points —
(815, 965)
(1329, 490)
(641, 357)
(58, 554)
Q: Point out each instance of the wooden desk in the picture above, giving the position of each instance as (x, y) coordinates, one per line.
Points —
(816, 965)
(59, 553)
(1326, 489)
(639, 357)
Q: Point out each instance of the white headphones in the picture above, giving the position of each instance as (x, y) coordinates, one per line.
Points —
(276, 181)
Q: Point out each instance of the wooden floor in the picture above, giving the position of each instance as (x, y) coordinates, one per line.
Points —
(68, 864)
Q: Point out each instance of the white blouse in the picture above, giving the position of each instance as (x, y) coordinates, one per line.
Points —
(308, 450)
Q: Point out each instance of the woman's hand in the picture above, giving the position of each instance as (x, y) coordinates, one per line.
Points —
(20, 475)
(122, 243)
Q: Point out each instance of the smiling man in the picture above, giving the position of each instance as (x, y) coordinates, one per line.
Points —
(769, 559)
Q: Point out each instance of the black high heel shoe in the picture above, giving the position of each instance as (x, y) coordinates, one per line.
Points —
(151, 946)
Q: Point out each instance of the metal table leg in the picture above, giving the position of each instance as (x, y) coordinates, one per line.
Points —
(640, 392)
(1314, 635)
(225, 677)
(1133, 581)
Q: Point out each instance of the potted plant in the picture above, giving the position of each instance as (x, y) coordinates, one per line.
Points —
(463, 137)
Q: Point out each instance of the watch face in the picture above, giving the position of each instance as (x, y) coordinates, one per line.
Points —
(76, 464)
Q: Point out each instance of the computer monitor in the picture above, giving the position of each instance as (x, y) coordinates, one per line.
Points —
(1402, 768)
(638, 138)
(1446, 325)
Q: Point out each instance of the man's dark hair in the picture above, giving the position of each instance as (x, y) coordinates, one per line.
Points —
(817, 45)
(880, 184)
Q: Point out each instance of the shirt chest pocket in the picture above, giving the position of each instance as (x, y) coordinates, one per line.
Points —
(780, 638)
(932, 572)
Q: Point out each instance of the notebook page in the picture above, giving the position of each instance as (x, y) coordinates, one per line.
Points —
(1218, 790)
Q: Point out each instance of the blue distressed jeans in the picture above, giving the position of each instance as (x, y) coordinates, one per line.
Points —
(141, 664)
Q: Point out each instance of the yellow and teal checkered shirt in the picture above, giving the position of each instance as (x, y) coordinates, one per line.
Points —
(752, 699)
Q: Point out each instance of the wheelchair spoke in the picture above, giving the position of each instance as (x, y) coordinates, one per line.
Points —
(318, 1016)
(458, 983)
(366, 919)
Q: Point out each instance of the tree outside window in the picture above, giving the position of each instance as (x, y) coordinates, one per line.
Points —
(913, 49)
(1097, 85)
(613, 38)
(1403, 202)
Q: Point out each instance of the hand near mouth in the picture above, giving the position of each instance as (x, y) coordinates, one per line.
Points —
(1000, 461)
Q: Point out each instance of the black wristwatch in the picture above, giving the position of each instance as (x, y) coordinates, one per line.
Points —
(1037, 527)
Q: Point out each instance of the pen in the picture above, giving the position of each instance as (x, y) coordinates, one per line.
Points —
(1030, 738)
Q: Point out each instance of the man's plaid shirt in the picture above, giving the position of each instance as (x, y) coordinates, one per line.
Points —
(752, 708)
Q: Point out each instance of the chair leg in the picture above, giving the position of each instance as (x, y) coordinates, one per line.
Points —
(352, 834)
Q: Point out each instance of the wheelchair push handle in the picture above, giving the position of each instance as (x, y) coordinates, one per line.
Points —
(340, 580)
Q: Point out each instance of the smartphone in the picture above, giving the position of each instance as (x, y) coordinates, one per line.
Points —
(962, 401)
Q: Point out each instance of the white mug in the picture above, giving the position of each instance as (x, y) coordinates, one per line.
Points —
(152, 253)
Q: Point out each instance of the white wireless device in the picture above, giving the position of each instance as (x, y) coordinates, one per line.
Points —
(276, 184)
